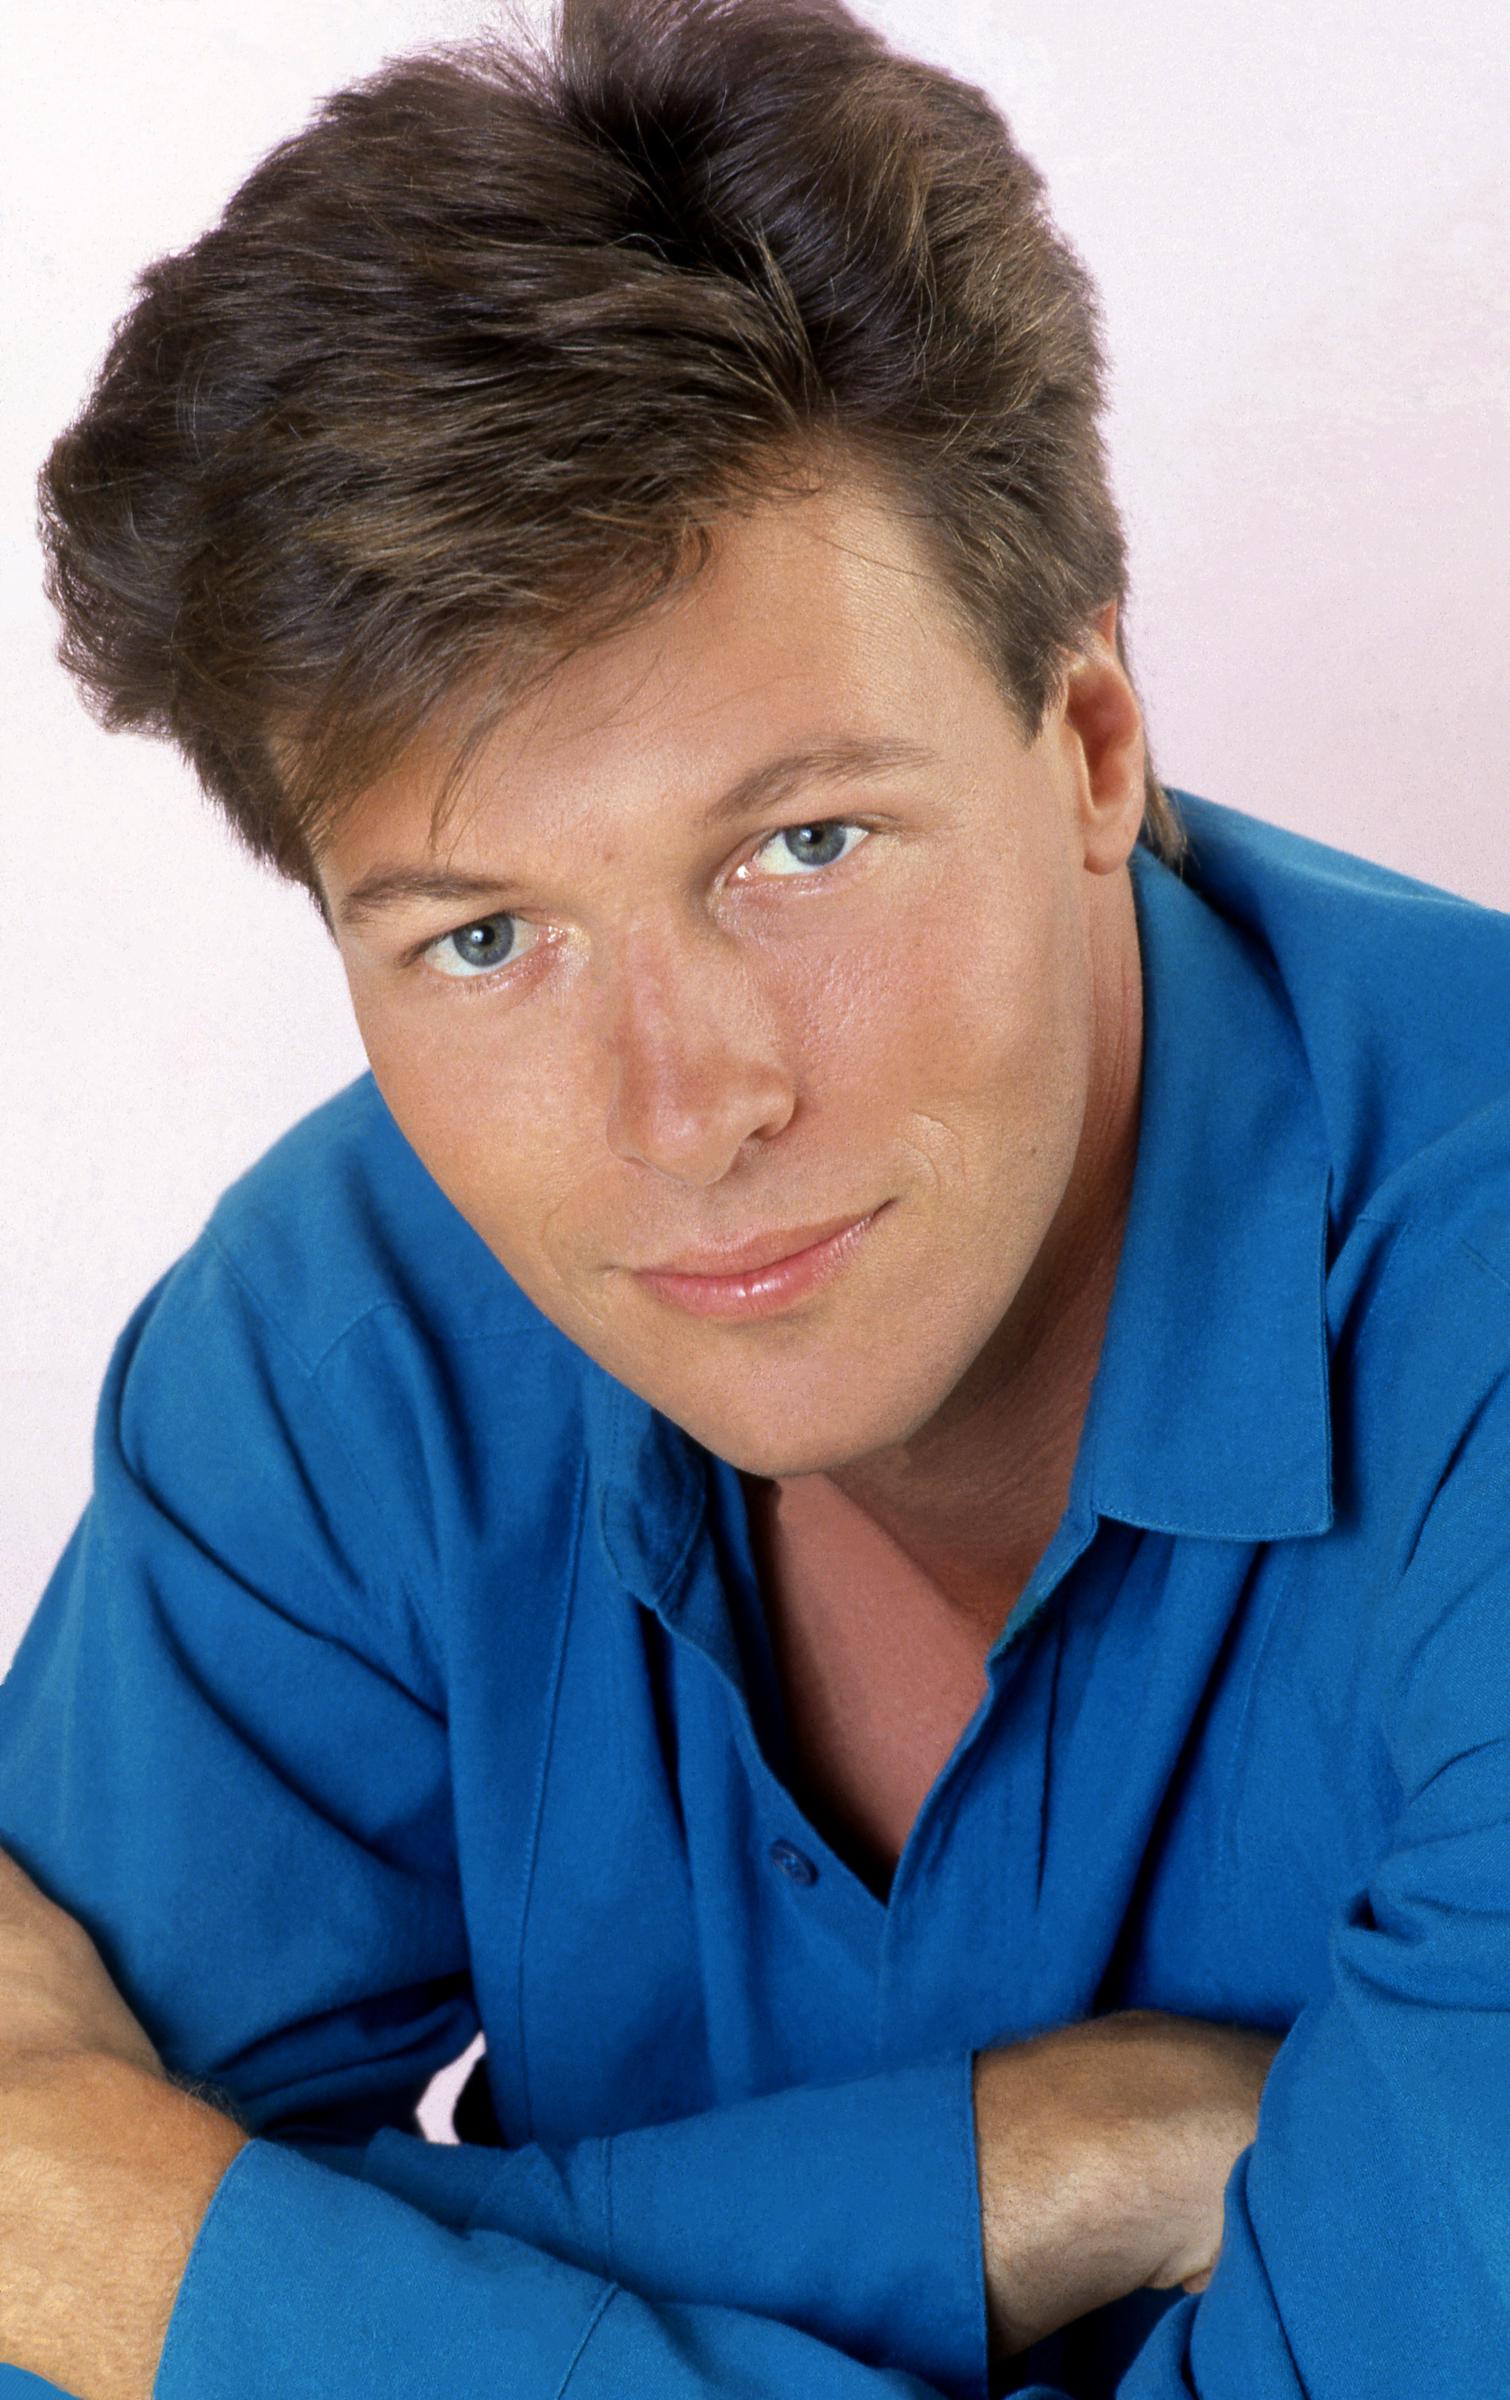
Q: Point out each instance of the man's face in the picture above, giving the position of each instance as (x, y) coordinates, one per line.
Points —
(648, 1032)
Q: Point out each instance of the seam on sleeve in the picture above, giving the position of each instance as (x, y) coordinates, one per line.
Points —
(392, 1570)
(1488, 1266)
(1465, 1435)
(588, 2330)
(520, 1937)
(307, 1366)
(606, 2146)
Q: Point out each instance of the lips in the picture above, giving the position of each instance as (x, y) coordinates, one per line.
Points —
(774, 1289)
(759, 1250)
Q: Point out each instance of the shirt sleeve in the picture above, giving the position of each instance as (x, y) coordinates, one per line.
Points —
(1366, 2231)
(286, 1922)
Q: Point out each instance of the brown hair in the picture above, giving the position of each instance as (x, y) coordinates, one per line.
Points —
(467, 370)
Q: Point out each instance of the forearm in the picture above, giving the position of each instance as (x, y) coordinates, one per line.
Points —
(868, 2258)
(1103, 2149)
(1054, 2210)
(106, 2172)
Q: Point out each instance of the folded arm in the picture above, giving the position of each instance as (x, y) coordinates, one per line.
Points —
(827, 2241)
(151, 2246)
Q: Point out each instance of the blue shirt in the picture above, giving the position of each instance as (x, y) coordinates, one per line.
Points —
(406, 1677)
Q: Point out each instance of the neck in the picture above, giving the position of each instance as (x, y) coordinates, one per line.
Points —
(975, 1505)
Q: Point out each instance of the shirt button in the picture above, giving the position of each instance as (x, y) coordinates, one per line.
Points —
(794, 1862)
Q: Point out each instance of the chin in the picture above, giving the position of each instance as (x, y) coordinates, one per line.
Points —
(779, 1444)
(820, 1407)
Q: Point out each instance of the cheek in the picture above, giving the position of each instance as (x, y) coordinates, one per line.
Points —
(493, 1140)
(985, 1063)
(985, 1009)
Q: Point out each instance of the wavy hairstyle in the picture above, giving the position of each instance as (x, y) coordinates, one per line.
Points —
(467, 371)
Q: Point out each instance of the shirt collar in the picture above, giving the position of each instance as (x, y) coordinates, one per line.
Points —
(1210, 1409)
(1209, 1412)
(650, 1479)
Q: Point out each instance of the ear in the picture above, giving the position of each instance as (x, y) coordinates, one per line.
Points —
(1102, 727)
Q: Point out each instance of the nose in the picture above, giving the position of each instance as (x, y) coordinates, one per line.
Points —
(696, 1066)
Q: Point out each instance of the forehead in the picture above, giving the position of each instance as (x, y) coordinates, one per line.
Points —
(813, 621)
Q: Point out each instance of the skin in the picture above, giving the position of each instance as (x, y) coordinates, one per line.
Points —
(704, 1035)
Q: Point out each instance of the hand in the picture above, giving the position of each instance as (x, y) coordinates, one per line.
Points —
(1104, 2150)
(1176, 2128)
(55, 1997)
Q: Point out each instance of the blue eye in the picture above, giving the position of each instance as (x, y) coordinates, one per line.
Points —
(474, 947)
(802, 850)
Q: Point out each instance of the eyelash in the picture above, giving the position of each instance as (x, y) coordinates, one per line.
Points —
(486, 982)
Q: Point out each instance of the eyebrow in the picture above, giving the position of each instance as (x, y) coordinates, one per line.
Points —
(839, 761)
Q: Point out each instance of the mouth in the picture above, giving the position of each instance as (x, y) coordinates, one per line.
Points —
(765, 1289)
(761, 1250)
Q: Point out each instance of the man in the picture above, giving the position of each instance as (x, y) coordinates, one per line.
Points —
(854, 1501)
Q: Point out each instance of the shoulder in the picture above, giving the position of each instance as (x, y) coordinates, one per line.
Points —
(339, 1352)
(1400, 994)
(339, 1218)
